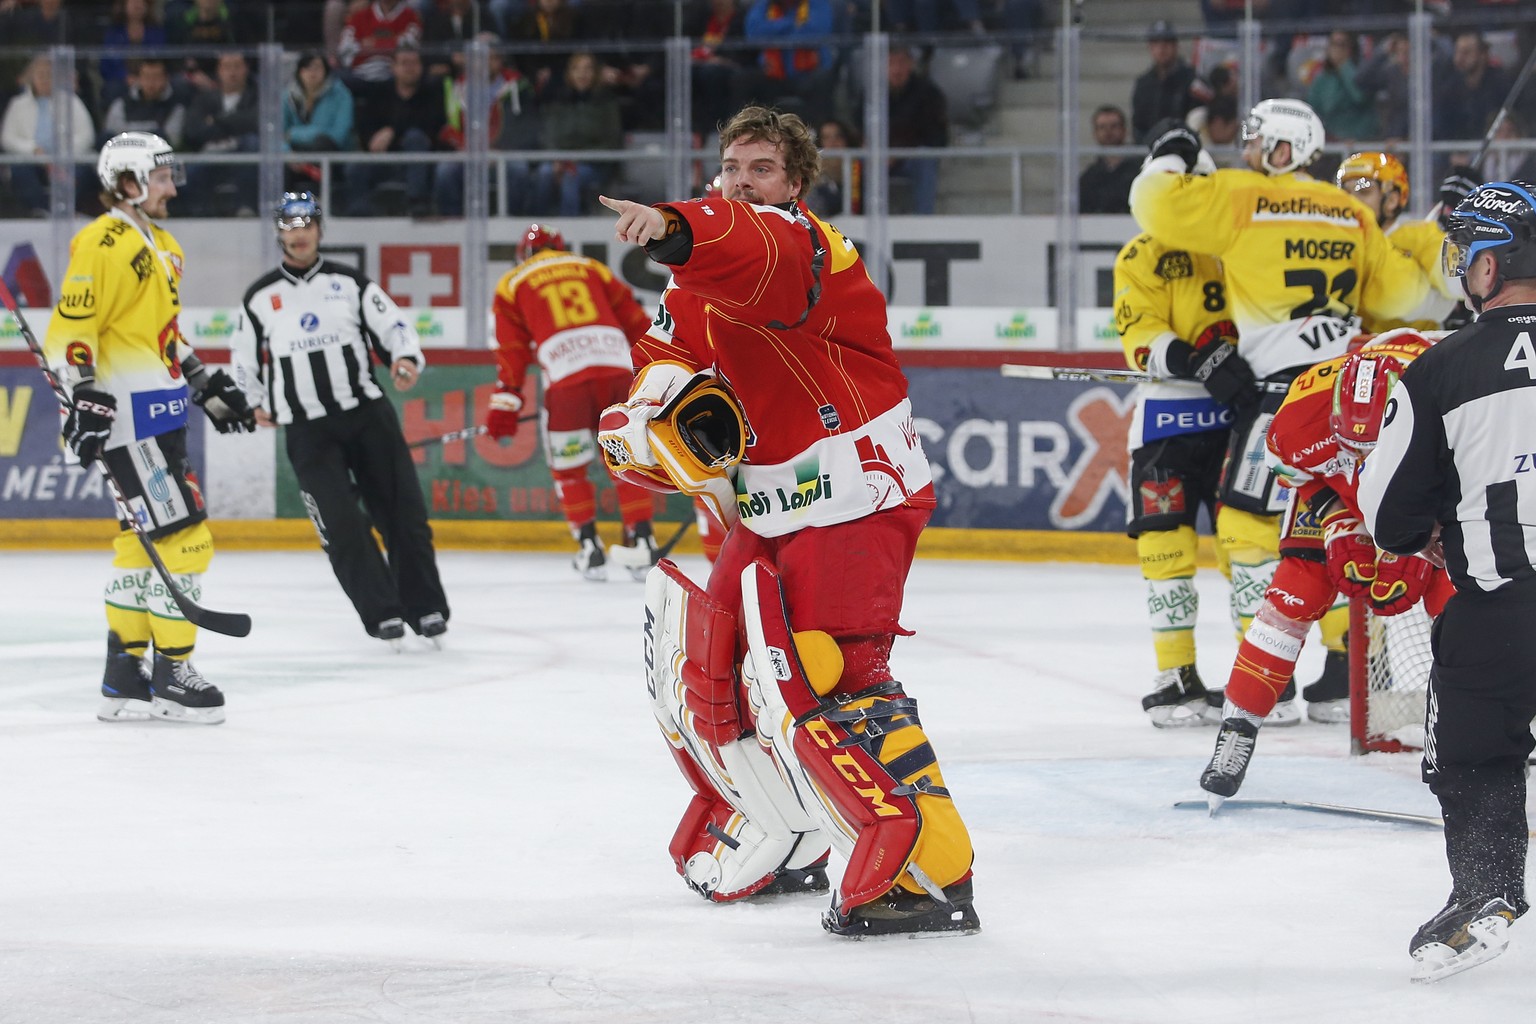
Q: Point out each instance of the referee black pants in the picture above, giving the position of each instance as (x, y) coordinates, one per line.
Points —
(1482, 697)
(356, 475)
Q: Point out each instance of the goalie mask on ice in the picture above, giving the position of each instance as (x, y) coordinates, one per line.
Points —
(679, 431)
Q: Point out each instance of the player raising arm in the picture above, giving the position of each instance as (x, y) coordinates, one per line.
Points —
(772, 315)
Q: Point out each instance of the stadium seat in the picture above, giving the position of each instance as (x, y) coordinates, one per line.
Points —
(968, 75)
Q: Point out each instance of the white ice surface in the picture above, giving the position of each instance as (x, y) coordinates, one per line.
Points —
(479, 834)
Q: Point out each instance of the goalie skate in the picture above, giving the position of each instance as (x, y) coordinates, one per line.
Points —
(1460, 937)
(900, 912)
(1180, 699)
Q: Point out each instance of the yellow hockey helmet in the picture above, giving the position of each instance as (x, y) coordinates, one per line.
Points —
(1374, 166)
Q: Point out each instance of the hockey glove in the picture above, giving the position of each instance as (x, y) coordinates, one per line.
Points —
(1351, 554)
(1400, 582)
(502, 419)
(1172, 137)
(1460, 183)
(225, 404)
(1217, 366)
(89, 423)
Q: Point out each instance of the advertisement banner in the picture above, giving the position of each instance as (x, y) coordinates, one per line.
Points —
(1013, 454)
(477, 478)
(35, 482)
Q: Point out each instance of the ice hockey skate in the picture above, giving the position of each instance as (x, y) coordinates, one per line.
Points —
(789, 881)
(179, 693)
(638, 552)
(432, 628)
(900, 912)
(1286, 711)
(1223, 777)
(1461, 936)
(590, 560)
(124, 686)
(392, 632)
(1180, 699)
(1328, 698)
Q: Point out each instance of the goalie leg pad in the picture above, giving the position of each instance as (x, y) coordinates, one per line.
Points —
(864, 759)
(745, 831)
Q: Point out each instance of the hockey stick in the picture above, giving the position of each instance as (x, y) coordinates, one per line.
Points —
(228, 623)
(463, 435)
(1369, 814)
(1079, 373)
(634, 558)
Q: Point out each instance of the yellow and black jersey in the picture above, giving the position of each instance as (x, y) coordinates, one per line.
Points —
(1301, 258)
(1420, 239)
(117, 320)
(1163, 294)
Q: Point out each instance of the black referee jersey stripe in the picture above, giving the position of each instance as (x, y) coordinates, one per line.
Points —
(1506, 535)
(324, 392)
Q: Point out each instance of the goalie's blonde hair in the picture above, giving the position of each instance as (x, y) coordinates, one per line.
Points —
(795, 139)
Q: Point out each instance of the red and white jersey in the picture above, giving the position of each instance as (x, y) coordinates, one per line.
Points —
(780, 305)
(570, 313)
(372, 35)
(1301, 439)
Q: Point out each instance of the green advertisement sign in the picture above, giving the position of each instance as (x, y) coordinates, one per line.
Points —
(475, 478)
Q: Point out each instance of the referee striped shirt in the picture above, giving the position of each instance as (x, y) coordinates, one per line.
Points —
(1458, 447)
(303, 346)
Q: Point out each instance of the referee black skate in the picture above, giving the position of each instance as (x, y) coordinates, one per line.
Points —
(1454, 477)
(304, 348)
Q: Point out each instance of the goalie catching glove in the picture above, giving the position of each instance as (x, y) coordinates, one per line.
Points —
(1400, 582)
(1351, 553)
(679, 431)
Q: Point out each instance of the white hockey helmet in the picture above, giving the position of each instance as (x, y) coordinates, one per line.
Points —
(1277, 121)
(135, 153)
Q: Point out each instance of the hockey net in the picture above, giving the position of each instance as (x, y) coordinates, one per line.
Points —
(1389, 661)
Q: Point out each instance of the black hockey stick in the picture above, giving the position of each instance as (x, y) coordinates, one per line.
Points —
(228, 623)
(666, 549)
(618, 552)
(1366, 813)
(463, 435)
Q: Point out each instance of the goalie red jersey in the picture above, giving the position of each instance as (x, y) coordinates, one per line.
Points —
(838, 442)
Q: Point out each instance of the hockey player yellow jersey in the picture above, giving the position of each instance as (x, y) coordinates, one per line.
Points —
(1162, 294)
(1420, 239)
(1301, 257)
(117, 313)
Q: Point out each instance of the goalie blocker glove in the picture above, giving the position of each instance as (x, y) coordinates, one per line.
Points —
(1219, 369)
(89, 423)
(1172, 137)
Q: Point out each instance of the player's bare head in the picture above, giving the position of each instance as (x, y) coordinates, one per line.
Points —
(768, 135)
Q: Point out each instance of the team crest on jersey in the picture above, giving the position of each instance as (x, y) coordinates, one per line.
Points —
(1171, 266)
(143, 263)
(1221, 330)
(78, 353)
(1162, 497)
(175, 259)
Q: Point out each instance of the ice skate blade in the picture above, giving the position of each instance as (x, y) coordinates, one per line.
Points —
(170, 711)
(1437, 961)
(1213, 803)
(965, 922)
(124, 709)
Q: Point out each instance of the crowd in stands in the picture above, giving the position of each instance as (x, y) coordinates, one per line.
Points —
(1357, 81)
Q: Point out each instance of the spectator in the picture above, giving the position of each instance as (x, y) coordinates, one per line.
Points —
(1217, 123)
(27, 28)
(513, 125)
(150, 105)
(225, 119)
(791, 79)
(715, 68)
(1468, 97)
(1105, 185)
(924, 16)
(918, 116)
(317, 117)
(27, 130)
(1169, 88)
(582, 113)
(637, 76)
(205, 24)
(1384, 78)
(402, 115)
(1510, 164)
(505, 14)
(1348, 112)
(545, 21)
(371, 36)
(448, 29)
(840, 188)
(132, 27)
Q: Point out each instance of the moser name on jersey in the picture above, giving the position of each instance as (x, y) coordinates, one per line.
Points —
(1319, 249)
